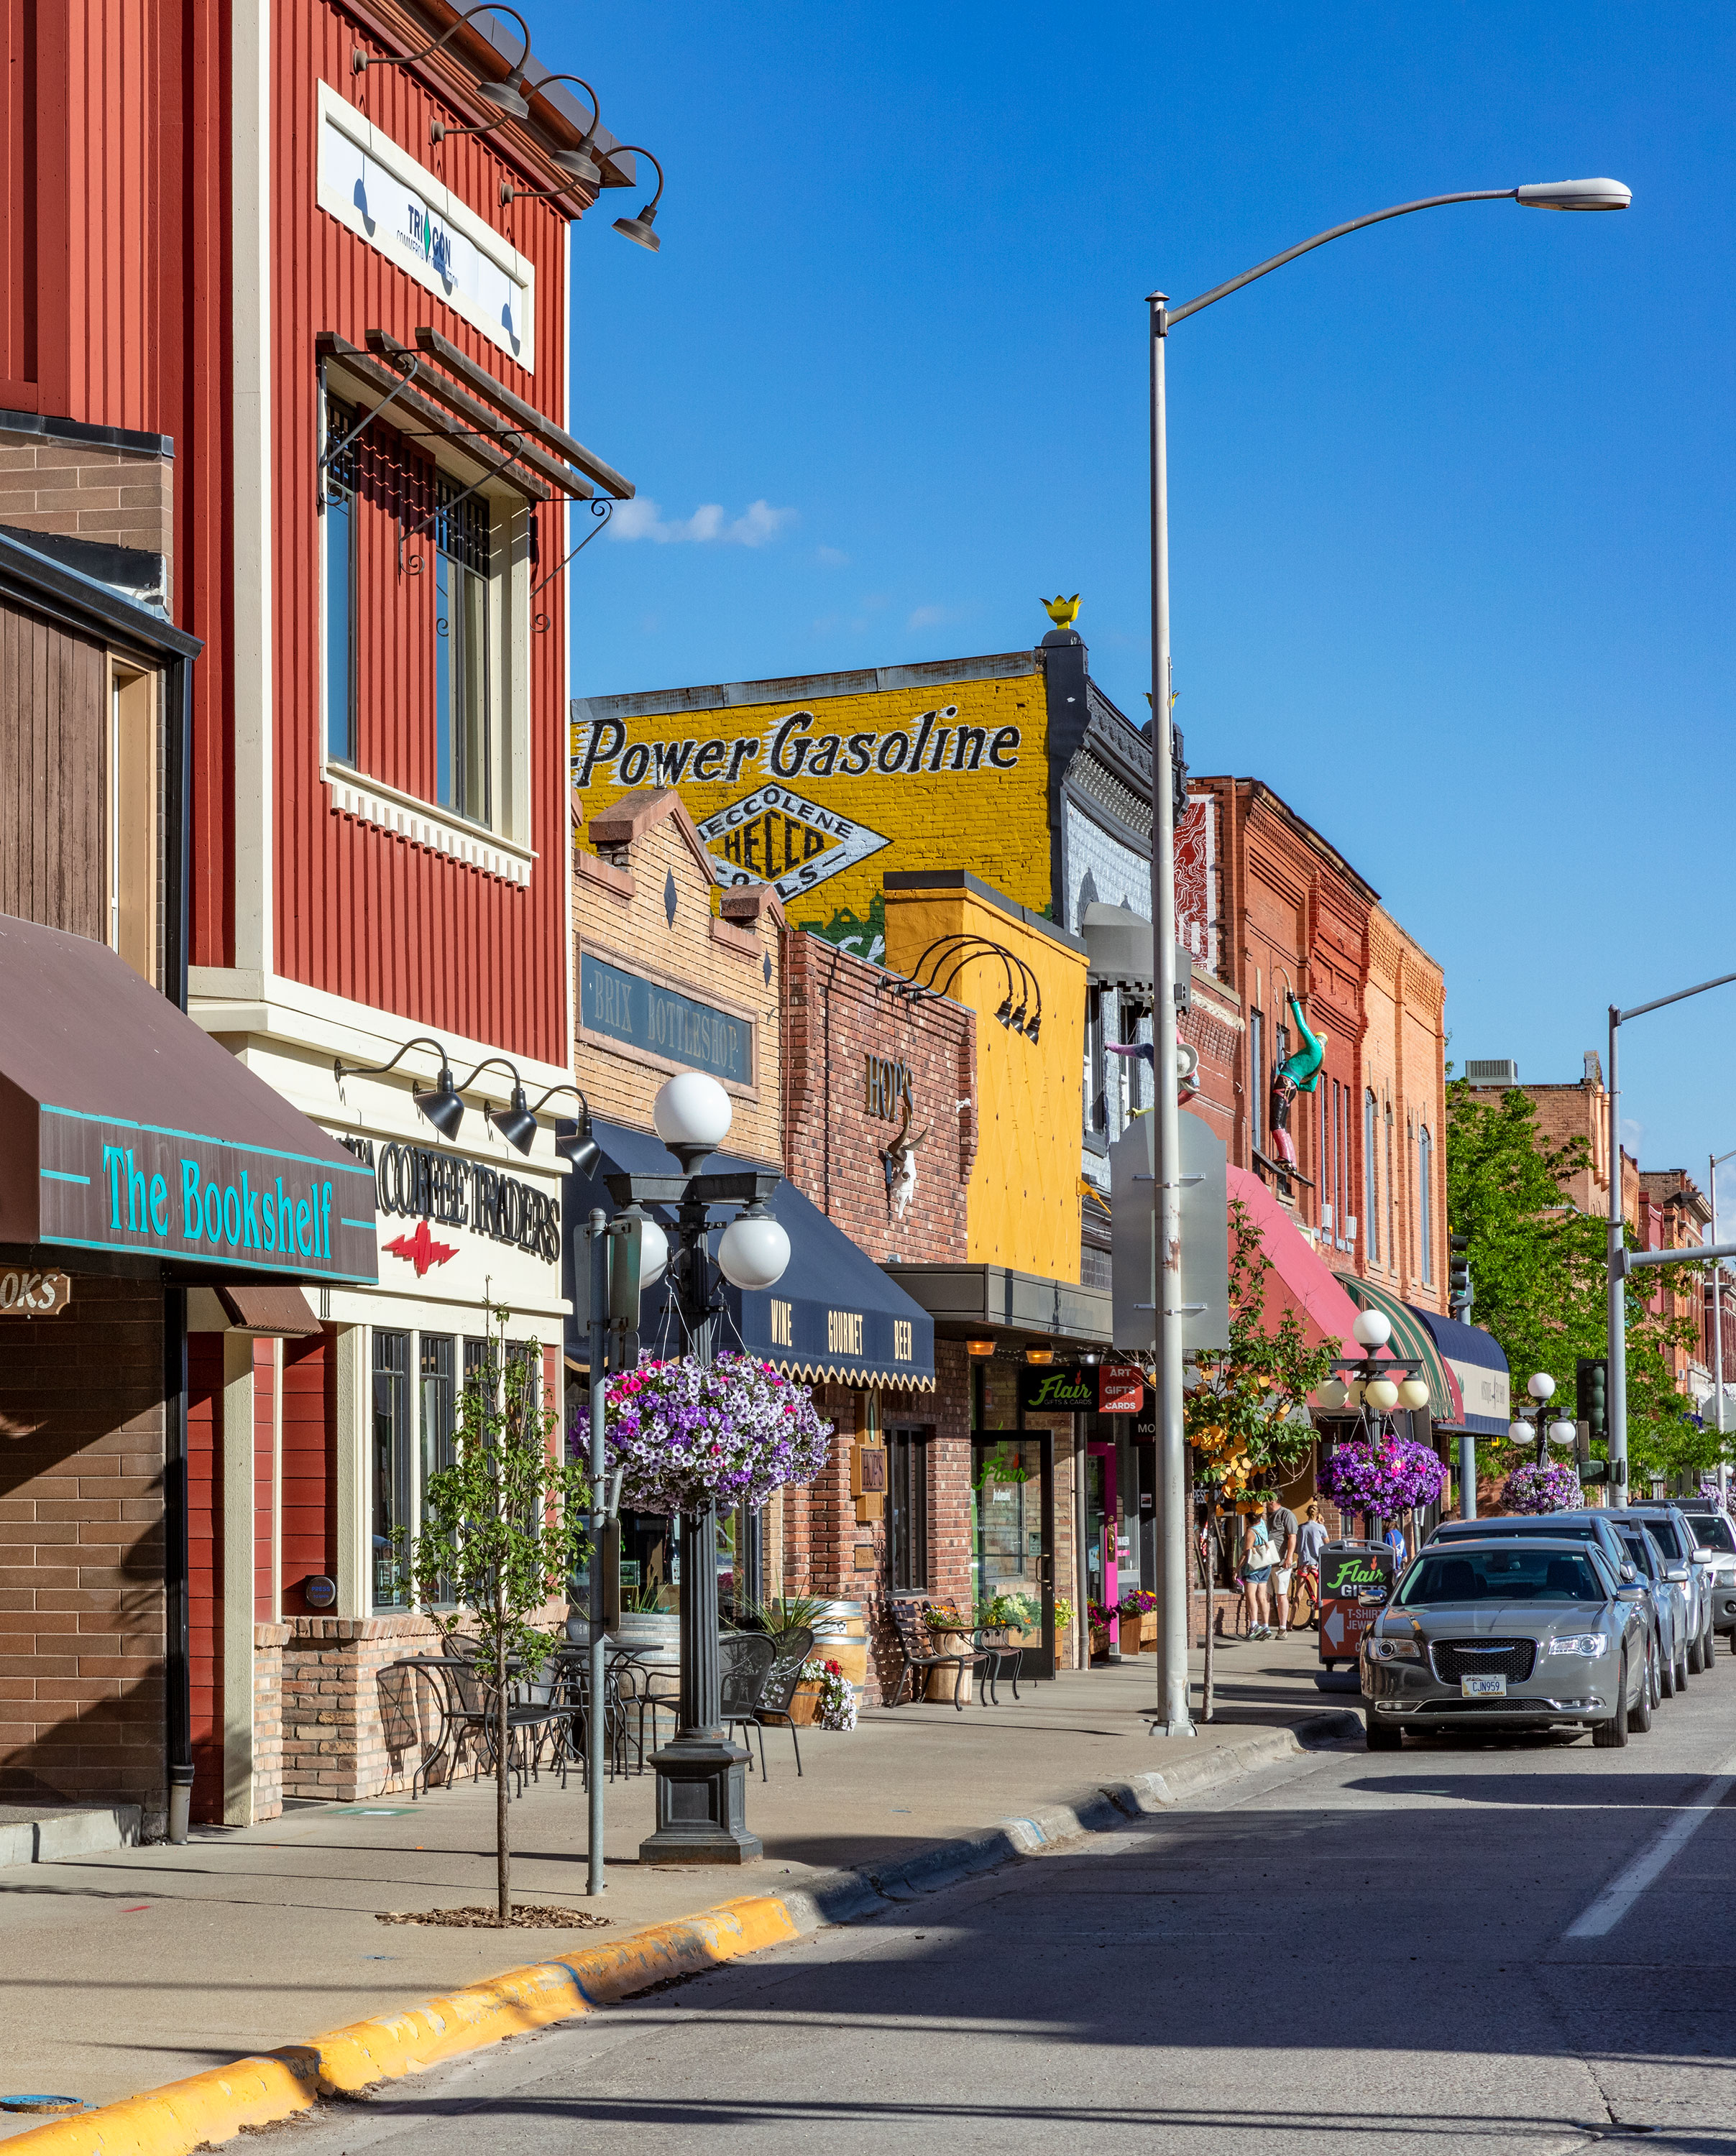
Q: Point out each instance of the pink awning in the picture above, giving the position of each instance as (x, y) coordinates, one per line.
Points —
(1299, 1278)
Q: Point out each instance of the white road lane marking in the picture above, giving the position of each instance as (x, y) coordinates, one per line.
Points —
(1626, 1888)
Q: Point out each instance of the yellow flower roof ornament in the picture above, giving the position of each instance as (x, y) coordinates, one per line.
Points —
(1063, 613)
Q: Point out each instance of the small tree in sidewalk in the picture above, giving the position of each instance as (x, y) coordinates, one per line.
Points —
(503, 1528)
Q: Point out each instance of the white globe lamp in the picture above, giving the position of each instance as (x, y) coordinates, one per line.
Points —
(692, 1114)
(1381, 1393)
(1520, 1432)
(1562, 1433)
(1332, 1395)
(1414, 1393)
(653, 1254)
(1373, 1328)
(1542, 1386)
(753, 1250)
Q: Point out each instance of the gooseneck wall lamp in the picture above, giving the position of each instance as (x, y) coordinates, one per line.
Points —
(442, 1107)
(957, 951)
(508, 95)
(579, 164)
(638, 228)
(582, 1148)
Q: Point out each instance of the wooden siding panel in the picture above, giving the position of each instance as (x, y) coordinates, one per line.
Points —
(54, 747)
(359, 912)
(310, 1462)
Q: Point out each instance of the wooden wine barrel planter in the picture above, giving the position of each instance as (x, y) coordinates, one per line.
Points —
(840, 1636)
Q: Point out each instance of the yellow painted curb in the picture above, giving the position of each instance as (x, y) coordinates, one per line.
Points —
(215, 2105)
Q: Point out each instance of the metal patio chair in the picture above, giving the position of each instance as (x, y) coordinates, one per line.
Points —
(790, 1658)
(744, 1661)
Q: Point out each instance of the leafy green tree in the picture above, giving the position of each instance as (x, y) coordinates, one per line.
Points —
(1241, 1418)
(1538, 1272)
(503, 1527)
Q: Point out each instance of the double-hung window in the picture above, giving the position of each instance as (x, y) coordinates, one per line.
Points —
(1424, 1208)
(1371, 1178)
(463, 728)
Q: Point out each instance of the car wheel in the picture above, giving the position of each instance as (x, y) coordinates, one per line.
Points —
(1667, 1675)
(1681, 1670)
(1652, 1679)
(1383, 1736)
(1708, 1651)
(1696, 1656)
(1639, 1714)
(1612, 1731)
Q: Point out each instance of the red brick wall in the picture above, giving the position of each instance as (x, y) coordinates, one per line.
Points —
(81, 1549)
(334, 1736)
(204, 1566)
(839, 1010)
(309, 1456)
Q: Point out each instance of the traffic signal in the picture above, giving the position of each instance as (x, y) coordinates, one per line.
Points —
(1593, 1384)
(1459, 1291)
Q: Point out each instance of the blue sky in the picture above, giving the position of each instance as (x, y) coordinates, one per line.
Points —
(1450, 500)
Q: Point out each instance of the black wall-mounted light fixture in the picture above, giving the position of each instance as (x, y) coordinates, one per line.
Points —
(508, 95)
(957, 951)
(582, 1148)
(579, 164)
(638, 228)
(442, 1107)
(516, 1122)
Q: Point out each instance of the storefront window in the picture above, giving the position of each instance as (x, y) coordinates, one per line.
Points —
(462, 546)
(393, 1438)
(907, 1510)
(1012, 1534)
(440, 1410)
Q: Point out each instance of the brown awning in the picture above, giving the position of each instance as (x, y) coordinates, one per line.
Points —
(284, 1311)
(371, 378)
(524, 415)
(126, 1132)
(490, 425)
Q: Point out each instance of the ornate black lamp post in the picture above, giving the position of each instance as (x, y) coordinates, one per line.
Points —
(702, 1776)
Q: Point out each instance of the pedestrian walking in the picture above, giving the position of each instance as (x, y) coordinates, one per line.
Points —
(1281, 1532)
(1257, 1570)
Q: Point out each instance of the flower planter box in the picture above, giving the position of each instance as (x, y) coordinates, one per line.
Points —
(805, 1705)
(1128, 1632)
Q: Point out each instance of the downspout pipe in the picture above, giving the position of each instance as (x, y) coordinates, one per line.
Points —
(178, 1690)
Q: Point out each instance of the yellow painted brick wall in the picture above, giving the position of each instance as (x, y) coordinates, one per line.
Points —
(809, 810)
(712, 961)
(1023, 1198)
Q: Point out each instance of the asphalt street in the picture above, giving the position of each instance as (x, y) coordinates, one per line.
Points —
(1494, 1947)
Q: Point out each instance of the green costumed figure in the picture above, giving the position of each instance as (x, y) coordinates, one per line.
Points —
(1298, 1073)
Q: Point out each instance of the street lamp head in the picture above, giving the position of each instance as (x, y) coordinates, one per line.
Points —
(1381, 1393)
(1573, 194)
(753, 1250)
(653, 1253)
(442, 1107)
(516, 1123)
(1333, 1395)
(1542, 1386)
(1373, 1328)
(1414, 1393)
(692, 1109)
(1520, 1432)
(1563, 1432)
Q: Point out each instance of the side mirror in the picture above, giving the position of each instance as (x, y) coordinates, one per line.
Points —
(1628, 1572)
(1630, 1594)
(1678, 1573)
(1703, 1556)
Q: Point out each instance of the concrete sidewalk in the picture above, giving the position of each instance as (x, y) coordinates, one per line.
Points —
(136, 1967)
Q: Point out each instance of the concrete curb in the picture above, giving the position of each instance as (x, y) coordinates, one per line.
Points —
(220, 2102)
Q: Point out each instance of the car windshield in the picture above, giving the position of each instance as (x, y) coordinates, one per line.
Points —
(1477, 1531)
(1641, 1548)
(1713, 1530)
(1486, 1575)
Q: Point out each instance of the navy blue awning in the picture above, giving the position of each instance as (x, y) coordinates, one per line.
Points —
(834, 1316)
(1478, 1362)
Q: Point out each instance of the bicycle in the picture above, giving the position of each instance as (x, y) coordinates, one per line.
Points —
(1305, 1598)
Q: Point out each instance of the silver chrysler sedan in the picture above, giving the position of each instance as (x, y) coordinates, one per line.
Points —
(1509, 1633)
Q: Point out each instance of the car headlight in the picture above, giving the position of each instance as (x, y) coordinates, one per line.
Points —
(1578, 1643)
(1725, 1575)
(1395, 1650)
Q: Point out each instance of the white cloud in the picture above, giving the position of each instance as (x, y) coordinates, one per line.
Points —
(832, 558)
(642, 518)
(929, 617)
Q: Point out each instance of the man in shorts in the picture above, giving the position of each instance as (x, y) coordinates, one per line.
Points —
(1281, 1526)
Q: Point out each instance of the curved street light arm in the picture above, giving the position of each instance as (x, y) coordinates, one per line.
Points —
(1171, 316)
(341, 1070)
(565, 1087)
(360, 62)
(638, 150)
(518, 1084)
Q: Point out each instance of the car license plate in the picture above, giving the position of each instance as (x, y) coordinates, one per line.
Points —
(1483, 1687)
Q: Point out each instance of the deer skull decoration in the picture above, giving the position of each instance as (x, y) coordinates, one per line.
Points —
(899, 1161)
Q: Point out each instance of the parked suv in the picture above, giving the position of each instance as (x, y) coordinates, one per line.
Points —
(1673, 1596)
(1683, 1552)
(1715, 1533)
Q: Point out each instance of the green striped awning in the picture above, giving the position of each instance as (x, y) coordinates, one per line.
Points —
(1410, 1339)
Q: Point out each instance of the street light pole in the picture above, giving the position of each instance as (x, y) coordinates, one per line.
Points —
(1717, 1321)
(1175, 1717)
(1619, 1260)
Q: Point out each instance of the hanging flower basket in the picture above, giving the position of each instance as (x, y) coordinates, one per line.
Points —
(686, 1435)
(1550, 1488)
(1385, 1475)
